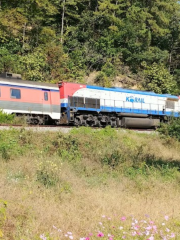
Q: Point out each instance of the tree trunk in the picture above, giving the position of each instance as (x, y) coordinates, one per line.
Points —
(62, 21)
(24, 33)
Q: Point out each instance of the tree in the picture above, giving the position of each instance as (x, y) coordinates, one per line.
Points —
(159, 80)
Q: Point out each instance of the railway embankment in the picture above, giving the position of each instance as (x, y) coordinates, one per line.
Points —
(86, 182)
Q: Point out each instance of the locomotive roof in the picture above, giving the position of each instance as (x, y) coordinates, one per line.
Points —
(27, 83)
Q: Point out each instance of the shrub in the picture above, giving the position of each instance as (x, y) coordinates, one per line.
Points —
(48, 173)
(6, 118)
(171, 129)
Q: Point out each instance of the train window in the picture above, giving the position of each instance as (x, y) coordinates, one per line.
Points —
(15, 93)
(46, 96)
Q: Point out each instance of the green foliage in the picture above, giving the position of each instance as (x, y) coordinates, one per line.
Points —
(48, 173)
(67, 148)
(171, 129)
(33, 66)
(102, 80)
(3, 208)
(7, 60)
(66, 40)
(159, 80)
(6, 118)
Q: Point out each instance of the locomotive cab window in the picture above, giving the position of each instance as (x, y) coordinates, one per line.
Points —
(15, 93)
(46, 96)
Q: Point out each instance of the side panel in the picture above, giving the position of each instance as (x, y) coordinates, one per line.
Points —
(112, 101)
(31, 101)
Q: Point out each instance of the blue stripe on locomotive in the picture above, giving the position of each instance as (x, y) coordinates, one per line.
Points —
(132, 91)
(123, 110)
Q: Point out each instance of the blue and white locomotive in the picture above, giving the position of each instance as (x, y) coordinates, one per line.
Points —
(84, 105)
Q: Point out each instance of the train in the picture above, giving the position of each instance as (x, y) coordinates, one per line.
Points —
(85, 105)
(38, 101)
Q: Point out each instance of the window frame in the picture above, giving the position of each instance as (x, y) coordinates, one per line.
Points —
(15, 96)
(46, 97)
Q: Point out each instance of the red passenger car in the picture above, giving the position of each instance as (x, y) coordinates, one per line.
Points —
(40, 102)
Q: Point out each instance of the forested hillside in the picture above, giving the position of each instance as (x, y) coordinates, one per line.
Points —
(135, 42)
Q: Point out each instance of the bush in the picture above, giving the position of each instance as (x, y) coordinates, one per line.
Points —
(6, 118)
(171, 129)
(48, 173)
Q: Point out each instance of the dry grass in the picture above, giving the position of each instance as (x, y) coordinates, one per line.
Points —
(79, 201)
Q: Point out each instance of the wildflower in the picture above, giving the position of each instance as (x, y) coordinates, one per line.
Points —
(167, 230)
(166, 218)
(54, 227)
(151, 238)
(172, 235)
(134, 233)
(70, 233)
(90, 234)
(163, 224)
(100, 223)
(120, 228)
(110, 238)
(43, 237)
(87, 238)
(123, 218)
(136, 227)
(103, 216)
(148, 228)
(147, 233)
(100, 234)
(123, 237)
(71, 237)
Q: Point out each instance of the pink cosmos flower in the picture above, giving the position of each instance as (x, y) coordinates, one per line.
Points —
(100, 234)
(151, 238)
(43, 237)
(123, 218)
(134, 233)
(148, 228)
(172, 235)
(166, 218)
(87, 238)
(90, 234)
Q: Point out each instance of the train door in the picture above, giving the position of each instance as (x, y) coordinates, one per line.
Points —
(46, 102)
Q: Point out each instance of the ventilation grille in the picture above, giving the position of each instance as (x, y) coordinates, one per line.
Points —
(84, 102)
(170, 104)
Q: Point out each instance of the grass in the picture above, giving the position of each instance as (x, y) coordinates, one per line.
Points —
(71, 180)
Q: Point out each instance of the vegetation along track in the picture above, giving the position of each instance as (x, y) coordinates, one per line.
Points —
(62, 128)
